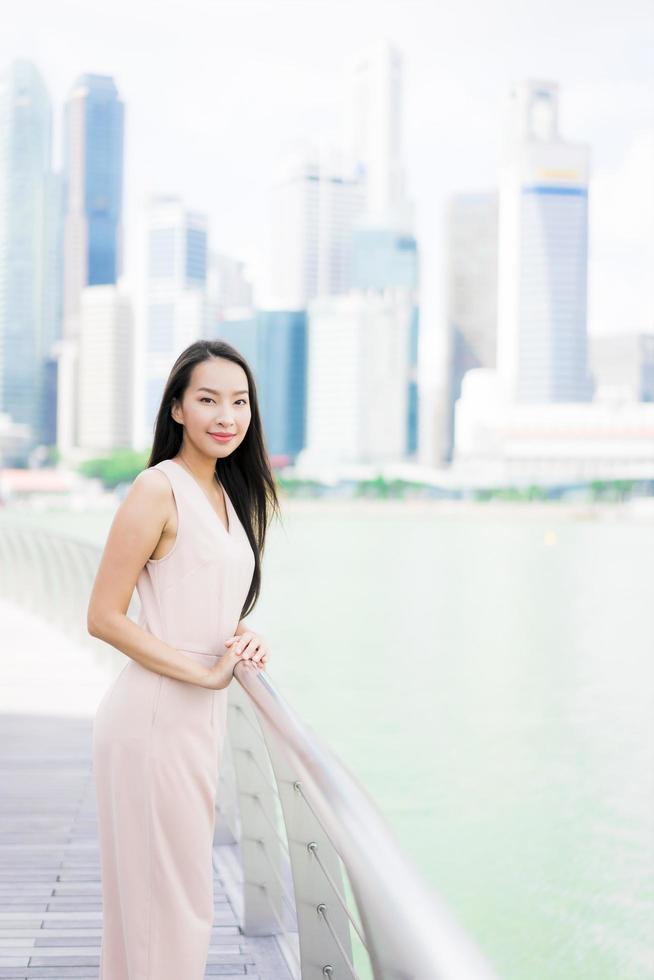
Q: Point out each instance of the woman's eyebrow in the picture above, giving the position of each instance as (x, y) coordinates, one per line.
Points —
(213, 391)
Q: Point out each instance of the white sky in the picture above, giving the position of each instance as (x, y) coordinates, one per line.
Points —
(215, 91)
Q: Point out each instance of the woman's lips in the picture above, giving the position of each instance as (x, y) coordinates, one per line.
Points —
(220, 437)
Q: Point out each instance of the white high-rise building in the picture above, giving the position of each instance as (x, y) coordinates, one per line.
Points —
(358, 378)
(509, 443)
(471, 264)
(385, 249)
(313, 211)
(172, 307)
(372, 125)
(228, 287)
(372, 133)
(106, 341)
(622, 365)
(543, 231)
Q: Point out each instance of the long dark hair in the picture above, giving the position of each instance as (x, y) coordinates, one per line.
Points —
(245, 473)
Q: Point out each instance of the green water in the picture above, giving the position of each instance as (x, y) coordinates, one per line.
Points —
(488, 677)
(490, 682)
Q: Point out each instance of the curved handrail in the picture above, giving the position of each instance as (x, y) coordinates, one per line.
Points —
(410, 932)
(300, 814)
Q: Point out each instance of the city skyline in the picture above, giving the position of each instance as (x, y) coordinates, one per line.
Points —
(605, 96)
(324, 246)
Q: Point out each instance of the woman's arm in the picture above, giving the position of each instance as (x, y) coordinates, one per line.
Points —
(135, 531)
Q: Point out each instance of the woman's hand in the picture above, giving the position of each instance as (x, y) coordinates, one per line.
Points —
(242, 646)
(249, 646)
(220, 675)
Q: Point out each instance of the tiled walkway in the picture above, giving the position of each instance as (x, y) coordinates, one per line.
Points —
(50, 897)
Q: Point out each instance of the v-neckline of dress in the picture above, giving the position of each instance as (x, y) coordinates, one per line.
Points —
(229, 507)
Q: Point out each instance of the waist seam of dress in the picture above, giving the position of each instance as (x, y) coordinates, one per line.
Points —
(180, 578)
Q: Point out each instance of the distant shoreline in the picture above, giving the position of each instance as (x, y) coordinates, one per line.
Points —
(639, 508)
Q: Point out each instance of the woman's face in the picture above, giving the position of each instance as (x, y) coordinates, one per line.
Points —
(216, 401)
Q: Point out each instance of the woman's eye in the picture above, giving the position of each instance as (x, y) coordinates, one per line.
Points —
(205, 398)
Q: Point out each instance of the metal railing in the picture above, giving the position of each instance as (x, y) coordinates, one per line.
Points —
(320, 869)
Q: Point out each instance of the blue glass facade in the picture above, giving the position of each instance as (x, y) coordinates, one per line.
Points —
(196, 255)
(383, 258)
(103, 177)
(274, 343)
(162, 250)
(553, 359)
(412, 414)
(243, 335)
(282, 357)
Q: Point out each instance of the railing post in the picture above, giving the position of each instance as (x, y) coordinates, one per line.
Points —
(317, 877)
(260, 834)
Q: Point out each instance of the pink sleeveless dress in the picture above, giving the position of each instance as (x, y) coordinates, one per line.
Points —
(157, 749)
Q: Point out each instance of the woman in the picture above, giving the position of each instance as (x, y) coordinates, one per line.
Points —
(189, 536)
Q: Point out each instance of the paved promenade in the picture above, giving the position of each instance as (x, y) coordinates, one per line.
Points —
(50, 896)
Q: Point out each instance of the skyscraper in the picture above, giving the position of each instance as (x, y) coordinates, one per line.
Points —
(359, 397)
(384, 259)
(29, 224)
(622, 365)
(471, 284)
(172, 298)
(227, 284)
(106, 364)
(93, 174)
(543, 253)
(93, 166)
(372, 132)
(385, 250)
(281, 381)
(314, 209)
(346, 250)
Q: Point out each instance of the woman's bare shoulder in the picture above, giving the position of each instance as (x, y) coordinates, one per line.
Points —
(152, 482)
(151, 495)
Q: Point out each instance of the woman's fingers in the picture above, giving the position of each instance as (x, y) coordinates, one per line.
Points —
(254, 650)
(249, 646)
(237, 643)
(258, 655)
(245, 648)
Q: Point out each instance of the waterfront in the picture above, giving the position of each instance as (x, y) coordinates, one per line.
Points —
(486, 673)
